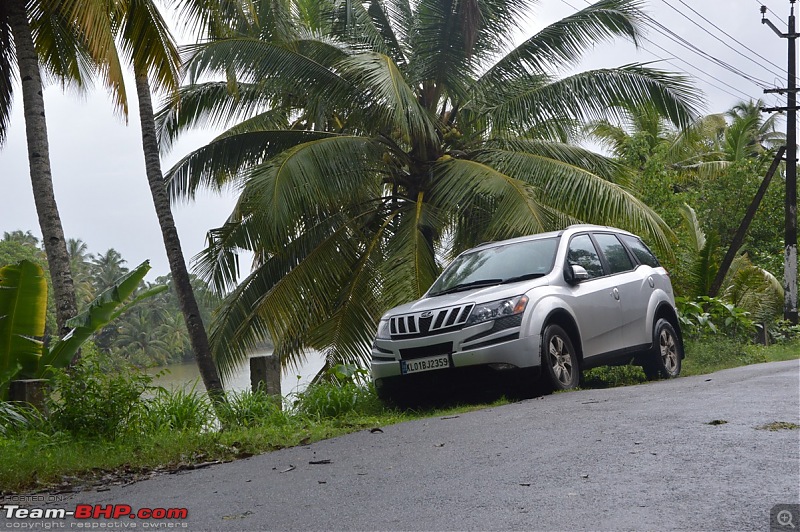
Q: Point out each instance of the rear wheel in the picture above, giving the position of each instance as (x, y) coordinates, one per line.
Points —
(664, 359)
(559, 360)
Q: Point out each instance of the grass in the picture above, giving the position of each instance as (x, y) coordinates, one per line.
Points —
(35, 458)
(715, 354)
(171, 431)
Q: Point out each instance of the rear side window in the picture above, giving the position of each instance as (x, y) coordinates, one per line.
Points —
(644, 255)
(615, 253)
(582, 253)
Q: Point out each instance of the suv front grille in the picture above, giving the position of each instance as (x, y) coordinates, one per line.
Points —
(430, 321)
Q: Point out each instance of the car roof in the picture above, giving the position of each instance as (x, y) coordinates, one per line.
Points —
(572, 229)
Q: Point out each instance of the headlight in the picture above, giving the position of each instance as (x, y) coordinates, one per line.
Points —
(383, 330)
(497, 309)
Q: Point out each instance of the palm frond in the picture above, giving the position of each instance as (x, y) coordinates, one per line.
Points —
(89, 21)
(410, 268)
(392, 101)
(595, 95)
(695, 229)
(286, 296)
(518, 209)
(381, 19)
(256, 61)
(8, 60)
(754, 289)
(564, 42)
(146, 41)
(345, 336)
(221, 162)
(208, 105)
(578, 193)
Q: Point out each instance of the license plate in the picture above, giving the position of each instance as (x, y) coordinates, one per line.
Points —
(424, 364)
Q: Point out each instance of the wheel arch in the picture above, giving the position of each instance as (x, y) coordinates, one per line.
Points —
(566, 321)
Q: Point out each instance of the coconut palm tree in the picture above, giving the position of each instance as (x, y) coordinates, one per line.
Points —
(64, 39)
(386, 138)
(716, 142)
(144, 38)
(80, 266)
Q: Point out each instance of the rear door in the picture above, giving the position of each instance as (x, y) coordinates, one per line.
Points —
(632, 287)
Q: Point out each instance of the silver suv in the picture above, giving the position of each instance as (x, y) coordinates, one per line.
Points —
(560, 302)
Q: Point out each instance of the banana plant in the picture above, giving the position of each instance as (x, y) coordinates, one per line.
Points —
(23, 307)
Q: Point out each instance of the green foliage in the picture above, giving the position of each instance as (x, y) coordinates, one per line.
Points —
(23, 297)
(613, 376)
(177, 409)
(342, 391)
(20, 418)
(784, 332)
(90, 402)
(704, 316)
(707, 354)
(249, 409)
(23, 302)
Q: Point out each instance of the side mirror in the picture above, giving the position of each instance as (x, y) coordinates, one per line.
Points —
(579, 274)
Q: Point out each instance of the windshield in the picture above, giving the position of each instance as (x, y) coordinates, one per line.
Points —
(497, 265)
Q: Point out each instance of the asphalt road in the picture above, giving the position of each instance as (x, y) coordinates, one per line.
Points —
(635, 458)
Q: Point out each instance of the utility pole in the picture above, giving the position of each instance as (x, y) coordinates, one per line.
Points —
(790, 240)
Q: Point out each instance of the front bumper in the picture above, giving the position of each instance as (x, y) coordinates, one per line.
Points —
(502, 347)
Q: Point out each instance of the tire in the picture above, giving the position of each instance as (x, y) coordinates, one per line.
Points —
(560, 367)
(664, 358)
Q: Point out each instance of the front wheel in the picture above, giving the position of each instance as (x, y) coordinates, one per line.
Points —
(664, 359)
(559, 360)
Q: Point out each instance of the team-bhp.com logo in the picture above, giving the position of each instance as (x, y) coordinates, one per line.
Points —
(93, 511)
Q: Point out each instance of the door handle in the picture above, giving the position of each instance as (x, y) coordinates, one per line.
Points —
(615, 293)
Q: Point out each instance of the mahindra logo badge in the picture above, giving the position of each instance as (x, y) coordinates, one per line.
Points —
(426, 314)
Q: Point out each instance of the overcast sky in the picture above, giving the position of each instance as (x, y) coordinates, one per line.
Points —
(98, 166)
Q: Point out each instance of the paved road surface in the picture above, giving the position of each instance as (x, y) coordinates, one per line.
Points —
(634, 458)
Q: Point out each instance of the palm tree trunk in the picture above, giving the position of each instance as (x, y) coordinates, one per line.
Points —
(55, 245)
(177, 265)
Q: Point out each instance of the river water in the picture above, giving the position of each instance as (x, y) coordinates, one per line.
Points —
(186, 375)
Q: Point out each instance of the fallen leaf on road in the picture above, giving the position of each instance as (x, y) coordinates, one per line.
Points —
(716, 422)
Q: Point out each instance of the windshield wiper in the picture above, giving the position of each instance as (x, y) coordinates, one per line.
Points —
(522, 278)
(466, 286)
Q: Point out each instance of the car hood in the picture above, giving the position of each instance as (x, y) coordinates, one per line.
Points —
(476, 295)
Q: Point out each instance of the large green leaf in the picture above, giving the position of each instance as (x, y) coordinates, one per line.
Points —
(23, 305)
(101, 311)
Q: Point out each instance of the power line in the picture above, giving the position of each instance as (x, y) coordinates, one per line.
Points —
(725, 33)
(697, 71)
(768, 9)
(660, 28)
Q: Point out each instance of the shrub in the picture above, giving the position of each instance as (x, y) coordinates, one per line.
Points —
(90, 401)
(176, 409)
(250, 409)
(343, 390)
(705, 316)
